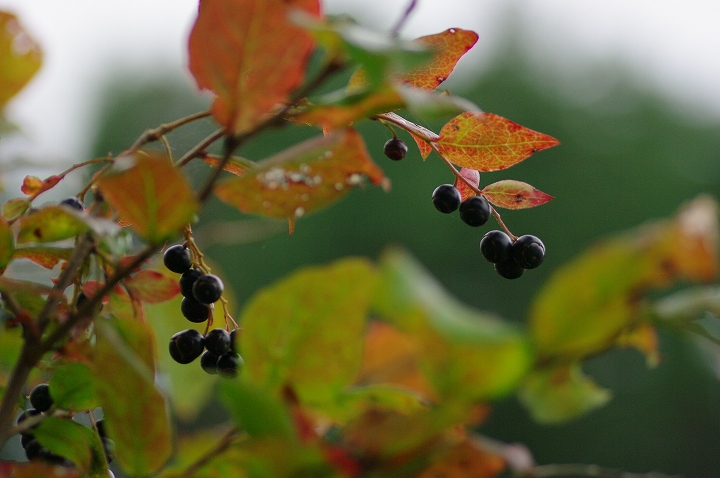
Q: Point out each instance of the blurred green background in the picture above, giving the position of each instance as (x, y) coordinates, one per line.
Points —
(626, 157)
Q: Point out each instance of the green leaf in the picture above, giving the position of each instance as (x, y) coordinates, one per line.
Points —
(7, 244)
(76, 442)
(136, 413)
(28, 295)
(466, 354)
(561, 393)
(49, 224)
(291, 328)
(10, 344)
(15, 207)
(72, 387)
(20, 57)
(256, 411)
(150, 195)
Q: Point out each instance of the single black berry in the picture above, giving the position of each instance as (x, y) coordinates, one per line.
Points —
(229, 364)
(40, 397)
(475, 211)
(26, 438)
(74, 203)
(217, 342)
(187, 280)
(24, 415)
(446, 198)
(108, 448)
(33, 450)
(509, 269)
(208, 362)
(234, 337)
(177, 258)
(496, 246)
(186, 346)
(395, 149)
(528, 251)
(208, 288)
(100, 425)
(194, 311)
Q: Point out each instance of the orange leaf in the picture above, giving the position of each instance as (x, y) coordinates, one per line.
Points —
(249, 55)
(471, 175)
(47, 257)
(450, 46)
(150, 195)
(488, 142)
(304, 178)
(512, 194)
(423, 146)
(152, 286)
(33, 186)
(20, 57)
(466, 460)
(235, 165)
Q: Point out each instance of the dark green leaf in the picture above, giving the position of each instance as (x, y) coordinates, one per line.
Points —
(76, 442)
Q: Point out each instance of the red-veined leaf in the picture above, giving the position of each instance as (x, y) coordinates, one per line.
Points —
(303, 178)
(235, 165)
(449, 47)
(488, 142)
(20, 57)
(249, 55)
(32, 185)
(152, 286)
(7, 244)
(423, 146)
(471, 175)
(512, 194)
(47, 257)
(149, 194)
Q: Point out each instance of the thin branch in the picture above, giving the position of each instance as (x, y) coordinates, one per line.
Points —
(403, 19)
(200, 147)
(591, 471)
(419, 131)
(222, 445)
(155, 134)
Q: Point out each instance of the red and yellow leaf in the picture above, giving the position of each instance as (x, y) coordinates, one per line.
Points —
(47, 257)
(465, 460)
(152, 286)
(304, 178)
(423, 146)
(149, 194)
(235, 165)
(488, 142)
(33, 186)
(449, 47)
(20, 57)
(511, 194)
(473, 177)
(250, 55)
(15, 207)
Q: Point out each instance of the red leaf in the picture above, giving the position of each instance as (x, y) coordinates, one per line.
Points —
(249, 55)
(237, 166)
(450, 46)
(47, 257)
(152, 286)
(471, 175)
(33, 186)
(488, 142)
(304, 178)
(423, 146)
(514, 195)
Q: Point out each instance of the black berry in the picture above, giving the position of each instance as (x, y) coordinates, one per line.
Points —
(395, 149)
(108, 448)
(177, 258)
(233, 340)
(186, 346)
(187, 280)
(33, 450)
(208, 288)
(74, 203)
(208, 362)
(229, 364)
(30, 412)
(528, 251)
(496, 246)
(100, 425)
(446, 198)
(475, 211)
(26, 438)
(194, 311)
(217, 342)
(509, 269)
(40, 397)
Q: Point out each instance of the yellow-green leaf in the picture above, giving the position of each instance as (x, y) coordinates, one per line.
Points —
(511, 194)
(7, 244)
(49, 224)
(20, 57)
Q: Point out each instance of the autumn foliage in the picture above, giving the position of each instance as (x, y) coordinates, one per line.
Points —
(356, 368)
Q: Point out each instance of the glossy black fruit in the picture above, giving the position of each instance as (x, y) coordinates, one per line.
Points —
(186, 346)
(496, 246)
(217, 342)
(100, 425)
(475, 211)
(187, 280)
(177, 258)
(30, 412)
(208, 362)
(234, 337)
(194, 311)
(229, 365)
(40, 397)
(528, 251)
(446, 198)
(26, 438)
(395, 149)
(208, 288)
(33, 450)
(509, 269)
(74, 203)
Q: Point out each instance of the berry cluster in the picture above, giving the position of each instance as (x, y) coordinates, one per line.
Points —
(474, 211)
(41, 402)
(200, 291)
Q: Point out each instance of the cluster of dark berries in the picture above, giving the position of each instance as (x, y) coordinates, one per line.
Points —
(512, 258)
(74, 203)
(199, 292)
(395, 149)
(474, 211)
(41, 402)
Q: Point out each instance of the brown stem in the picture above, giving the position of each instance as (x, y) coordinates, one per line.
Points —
(199, 148)
(222, 445)
(419, 131)
(401, 21)
(155, 134)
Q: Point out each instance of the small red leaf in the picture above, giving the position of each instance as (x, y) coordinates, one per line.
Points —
(33, 186)
(473, 177)
(449, 47)
(511, 194)
(237, 166)
(152, 286)
(488, 142)
(47, 257)
(423, 146)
